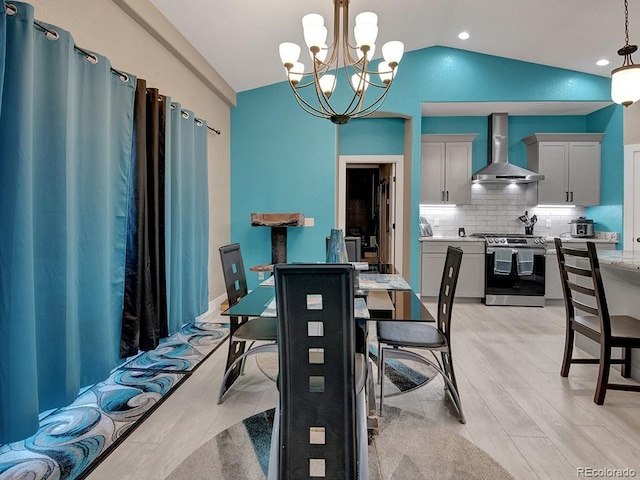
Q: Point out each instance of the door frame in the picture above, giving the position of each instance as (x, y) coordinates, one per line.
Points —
(397, 162)
(630, 152)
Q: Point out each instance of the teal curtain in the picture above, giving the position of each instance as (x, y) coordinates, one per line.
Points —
(187, 224)
(65, 148)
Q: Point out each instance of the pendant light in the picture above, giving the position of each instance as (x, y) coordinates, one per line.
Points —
(625, 80)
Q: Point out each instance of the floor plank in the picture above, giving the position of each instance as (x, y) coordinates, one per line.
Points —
(537, 424)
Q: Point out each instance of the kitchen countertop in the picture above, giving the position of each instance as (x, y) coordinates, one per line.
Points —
(582, 240)
(455, 238)
(451, 238)
(628, 260)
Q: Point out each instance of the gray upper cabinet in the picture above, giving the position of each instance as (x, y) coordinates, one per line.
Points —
(446, 169)
(570, 164)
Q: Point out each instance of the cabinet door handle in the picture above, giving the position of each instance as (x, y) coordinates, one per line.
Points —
(571, 196)
(447, 195)
(442, 196)
(567, 197)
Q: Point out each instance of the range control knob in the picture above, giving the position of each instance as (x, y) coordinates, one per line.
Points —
(535, 240)
(490, 240)
(543, 240)
(503, 240)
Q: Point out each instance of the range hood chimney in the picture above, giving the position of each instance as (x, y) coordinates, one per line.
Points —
(499, 170)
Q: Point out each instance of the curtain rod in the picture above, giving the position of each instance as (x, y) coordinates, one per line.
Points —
(53, 35)
(199, 122)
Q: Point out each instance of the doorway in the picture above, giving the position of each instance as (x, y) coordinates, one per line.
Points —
(368, 208)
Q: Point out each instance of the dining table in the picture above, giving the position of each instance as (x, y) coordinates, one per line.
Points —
(378, 297)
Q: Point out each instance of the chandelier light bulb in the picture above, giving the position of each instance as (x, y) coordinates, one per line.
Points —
(289, 53)
(366, 18)
(370, 53)
(312, 19)
(322, 53)
(385, 72)
(359, 83)
(296, 73)
(365, 34)
(315, 36)
(392, 52)
(327, 84)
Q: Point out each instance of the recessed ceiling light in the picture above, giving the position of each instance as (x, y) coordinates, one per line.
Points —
(602, 62)
(463, 35)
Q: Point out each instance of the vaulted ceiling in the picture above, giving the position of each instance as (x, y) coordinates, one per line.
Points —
(240, 38)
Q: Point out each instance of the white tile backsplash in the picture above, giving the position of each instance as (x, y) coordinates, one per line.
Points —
(496, 208)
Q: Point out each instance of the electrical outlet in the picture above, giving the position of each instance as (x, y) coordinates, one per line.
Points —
(309, 222)
(548, 223)
(260, 275)
(436, 222)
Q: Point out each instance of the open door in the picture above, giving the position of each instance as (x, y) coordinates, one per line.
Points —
(386, 200)
(368, 205)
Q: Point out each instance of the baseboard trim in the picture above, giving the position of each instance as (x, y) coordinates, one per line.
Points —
(214, 307)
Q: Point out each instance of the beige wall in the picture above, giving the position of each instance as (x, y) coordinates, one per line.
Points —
(632, 124)
(140, 41)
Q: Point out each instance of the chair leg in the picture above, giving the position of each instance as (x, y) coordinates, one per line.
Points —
(381, 376)
(363, 436)
(447, 362)
(568, 352)
(268, 347)
(625, 370)
(380, 366)
(603, 374)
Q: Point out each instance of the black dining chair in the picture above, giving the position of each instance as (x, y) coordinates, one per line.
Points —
(242, 329)
(320, 426)
(398, 339)
(584, 292)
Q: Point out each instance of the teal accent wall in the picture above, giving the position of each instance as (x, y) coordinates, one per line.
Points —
(372, 136)
(284, 160)
(608, 216)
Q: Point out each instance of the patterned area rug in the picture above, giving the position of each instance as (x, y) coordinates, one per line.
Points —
(401, 375)
(407, 447)
(71, 441)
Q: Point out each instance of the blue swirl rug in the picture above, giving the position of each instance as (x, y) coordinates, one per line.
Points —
(72, 440)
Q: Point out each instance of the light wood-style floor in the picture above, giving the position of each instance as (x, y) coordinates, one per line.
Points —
(518, 408)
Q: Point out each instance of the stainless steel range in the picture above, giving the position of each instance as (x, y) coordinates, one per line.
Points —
(514, 269)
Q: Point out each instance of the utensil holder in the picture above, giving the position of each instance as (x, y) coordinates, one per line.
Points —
(528, 230)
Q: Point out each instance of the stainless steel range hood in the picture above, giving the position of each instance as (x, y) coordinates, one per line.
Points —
(499, 170)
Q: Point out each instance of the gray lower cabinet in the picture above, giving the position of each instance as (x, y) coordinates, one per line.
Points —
(552, 285)
(471, 278)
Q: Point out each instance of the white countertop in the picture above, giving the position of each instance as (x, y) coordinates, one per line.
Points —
(628, 260)
(451, 238)
(455, 238)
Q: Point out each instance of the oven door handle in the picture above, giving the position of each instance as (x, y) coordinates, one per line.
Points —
(536, 251)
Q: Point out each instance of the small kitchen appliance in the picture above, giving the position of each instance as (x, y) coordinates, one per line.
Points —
(582, 227)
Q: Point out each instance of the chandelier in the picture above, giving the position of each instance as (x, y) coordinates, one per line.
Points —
(313, 89)
(625, 80)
